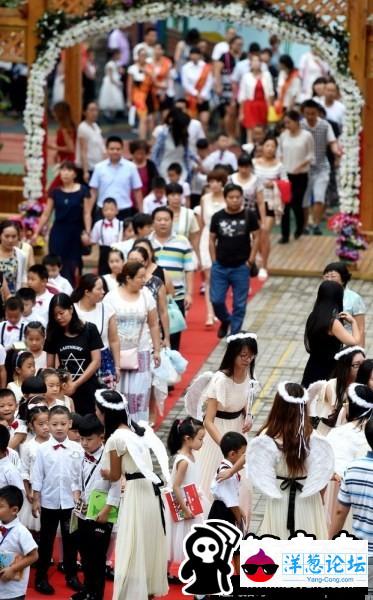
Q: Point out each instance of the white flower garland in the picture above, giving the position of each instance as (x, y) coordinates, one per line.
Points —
(234, 13)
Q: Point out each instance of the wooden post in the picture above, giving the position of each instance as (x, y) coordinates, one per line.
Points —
(361, 63)
(35, 10)
(73, 81)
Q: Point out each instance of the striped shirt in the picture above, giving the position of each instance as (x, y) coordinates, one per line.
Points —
(323, 135)
(175, 257)
(357, 492)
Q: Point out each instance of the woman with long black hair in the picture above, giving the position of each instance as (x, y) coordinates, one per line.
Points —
(325, 334)
(172, 144)
(365, 373)
(74, 346)
(141, 567)
(227, 402)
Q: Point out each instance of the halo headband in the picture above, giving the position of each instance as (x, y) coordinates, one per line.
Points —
(355, 398)
(348, 351)
(292, 399)
(241, 336)
(101, 400)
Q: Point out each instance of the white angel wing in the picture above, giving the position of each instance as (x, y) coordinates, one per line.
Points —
(155, 444)
(320, 465)
(316, 394)
(193, 399)
(348, 442)
(261, 457)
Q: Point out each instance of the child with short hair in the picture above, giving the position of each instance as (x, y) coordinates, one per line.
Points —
(76, 421)
(116, 264)
(18, 540)
(106, 232)
(52, 380)
(9, 474)
(28, 297)
(157, 196)
(34, 339)
(174, 172)
(37, 419)
(59, 459)
(53, 263)
(226, 492)
(13, 328)
(20, 365)
(185, 438)
(9, 417)
(94, 536)
(37, 280)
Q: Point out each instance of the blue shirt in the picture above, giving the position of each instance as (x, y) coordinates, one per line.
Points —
(115, 181)
(353, 303)
(356, 491)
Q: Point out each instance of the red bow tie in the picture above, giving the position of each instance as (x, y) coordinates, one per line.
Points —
(11, 327)
(89, 457)
(3, 530)
(58, 446)
(108, 224)
(14, 425)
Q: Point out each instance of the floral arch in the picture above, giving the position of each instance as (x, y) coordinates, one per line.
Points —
(57, 31)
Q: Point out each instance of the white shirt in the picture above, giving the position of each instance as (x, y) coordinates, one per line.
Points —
(219, 49)
(118, 39)
(56, 473)
(62, 284)
(99, 316)
(190, 74)
(9, 334)
(243, 67)
(2, 355)
(91, 133)
(42, 305)
(35, 316)
(335, 112)
(92, 479)
(195, 132)
(296, 149)
(143, 46)
(107, 233)
(111, 282)
(9, 474)
(115, 181)
(220, 158)
(125, 246)
(228, 490)
(20, 541)
(150, 203)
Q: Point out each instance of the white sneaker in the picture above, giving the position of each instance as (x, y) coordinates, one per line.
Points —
(263, 274)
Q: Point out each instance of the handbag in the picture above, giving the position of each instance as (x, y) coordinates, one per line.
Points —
(176, 317)
(129, 358)
(284, 187)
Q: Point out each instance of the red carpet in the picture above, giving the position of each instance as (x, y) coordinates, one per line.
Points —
(197, 343)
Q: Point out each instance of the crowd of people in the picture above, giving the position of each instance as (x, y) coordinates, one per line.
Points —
(80, 353)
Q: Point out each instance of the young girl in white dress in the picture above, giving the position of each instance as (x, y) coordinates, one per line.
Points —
(141, 545)
(185, 437)
(37, 421)
(291, 465)
(34, 339)
(116, 264)
(111, 99)
(23, 366)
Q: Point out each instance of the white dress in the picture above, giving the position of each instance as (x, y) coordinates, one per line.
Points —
(111, 92)
(177, 531)
(231, 397)
(27, 452)
(141, 546)
(265, 465)
(209, 208)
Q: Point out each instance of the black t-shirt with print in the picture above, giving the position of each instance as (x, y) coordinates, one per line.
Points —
(74, 355)
(233, 236)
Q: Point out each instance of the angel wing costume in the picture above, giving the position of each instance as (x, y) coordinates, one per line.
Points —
(141, 571)
(292, 503)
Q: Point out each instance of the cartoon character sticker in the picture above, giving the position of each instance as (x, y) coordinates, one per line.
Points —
(260, 567)
(208, 549)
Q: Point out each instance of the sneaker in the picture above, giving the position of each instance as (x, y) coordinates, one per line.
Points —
(263, 274)
(223, 330)
(316, 230)
(74, 583)
(44, 587)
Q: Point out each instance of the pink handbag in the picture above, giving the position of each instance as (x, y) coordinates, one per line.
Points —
(129, 359)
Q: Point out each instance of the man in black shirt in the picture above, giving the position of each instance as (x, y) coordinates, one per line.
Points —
(234, 239)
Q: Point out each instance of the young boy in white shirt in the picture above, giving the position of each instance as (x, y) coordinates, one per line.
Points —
(221, 156)
(94, 536)
(157, 196)
(106, 232)
(53, 264)
(56, 488)
(37, 280)
(28, 297)
(13, 328)
(17, 539)
(174, 173)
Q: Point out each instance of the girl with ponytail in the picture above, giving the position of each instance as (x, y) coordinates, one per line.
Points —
(185, 438)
